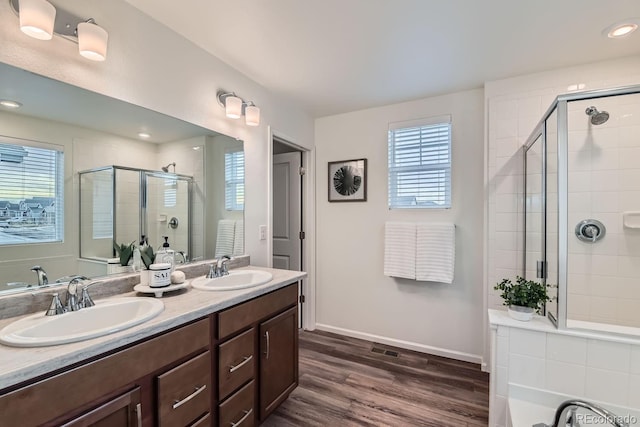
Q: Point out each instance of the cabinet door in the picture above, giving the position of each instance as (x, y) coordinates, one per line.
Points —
(278, 360)
(122, 411)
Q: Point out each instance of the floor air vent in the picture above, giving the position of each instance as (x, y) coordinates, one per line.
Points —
(379, 350)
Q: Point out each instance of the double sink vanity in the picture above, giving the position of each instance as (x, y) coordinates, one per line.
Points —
(223, 351)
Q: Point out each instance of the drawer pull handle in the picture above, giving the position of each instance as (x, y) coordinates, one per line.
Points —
(139, 414)
(179, 403)
(241, 420)
(266, 335)
(246, 360)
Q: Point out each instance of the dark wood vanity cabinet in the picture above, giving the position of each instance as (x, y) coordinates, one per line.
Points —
(258, 356)
(278, 360)
(229, 368)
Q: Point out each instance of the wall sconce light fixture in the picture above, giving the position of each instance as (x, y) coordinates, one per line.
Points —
(41, 20)
(235, 107)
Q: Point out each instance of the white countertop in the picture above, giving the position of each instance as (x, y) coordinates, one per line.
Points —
(21, 364)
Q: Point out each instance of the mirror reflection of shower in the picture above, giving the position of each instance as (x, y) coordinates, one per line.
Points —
(166, 168)
(596, 117)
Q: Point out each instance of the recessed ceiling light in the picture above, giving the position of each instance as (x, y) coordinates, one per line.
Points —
(7, 103)
(196, 147)
(621, 29)
(144, 135)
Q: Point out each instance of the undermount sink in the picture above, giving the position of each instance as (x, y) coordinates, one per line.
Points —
(106, 317)
(236, 279)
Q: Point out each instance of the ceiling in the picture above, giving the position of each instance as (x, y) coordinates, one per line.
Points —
(335, 56)
(53, 100)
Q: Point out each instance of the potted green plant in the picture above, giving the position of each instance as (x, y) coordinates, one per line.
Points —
(523, 298)
(124, 251)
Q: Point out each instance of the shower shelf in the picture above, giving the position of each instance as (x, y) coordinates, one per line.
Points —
(631, 219)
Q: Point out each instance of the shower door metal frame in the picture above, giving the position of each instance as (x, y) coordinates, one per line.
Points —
(539, 132)
(143, 173)
(560, 104)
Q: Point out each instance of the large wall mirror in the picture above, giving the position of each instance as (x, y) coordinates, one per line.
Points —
(55, 140)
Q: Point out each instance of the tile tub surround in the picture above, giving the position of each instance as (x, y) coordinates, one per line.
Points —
(536, 355)
(528, 407)
(22, 364)
(19, 304)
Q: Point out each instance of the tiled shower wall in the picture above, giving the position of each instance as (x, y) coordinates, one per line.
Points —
(514, 107)
(604, 182)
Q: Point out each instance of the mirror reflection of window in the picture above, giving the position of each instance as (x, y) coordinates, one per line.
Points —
(170, 192)
(234, 180)
(103, 205)
(31, 193)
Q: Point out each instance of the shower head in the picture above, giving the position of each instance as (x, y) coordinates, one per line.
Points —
(597, 117)
(166, 168)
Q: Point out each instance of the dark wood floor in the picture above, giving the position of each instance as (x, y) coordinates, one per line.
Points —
(344, 383)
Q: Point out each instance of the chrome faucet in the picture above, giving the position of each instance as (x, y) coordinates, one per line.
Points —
(72, 302)
(566, 414)
(184, 256)
(42, 275)
(219, 268)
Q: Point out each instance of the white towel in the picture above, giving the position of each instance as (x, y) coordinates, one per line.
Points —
(400, 250)
(224, 238)
(238, 238)
(435, 252)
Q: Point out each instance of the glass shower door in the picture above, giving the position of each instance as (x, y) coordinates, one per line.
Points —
(167, 211)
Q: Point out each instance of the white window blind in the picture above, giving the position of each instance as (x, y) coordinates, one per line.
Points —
(102, 204)
(420, 164)
(170, 192)
(234, 180)
(31, 193)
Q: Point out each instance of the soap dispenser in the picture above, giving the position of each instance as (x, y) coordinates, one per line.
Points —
(165, 254)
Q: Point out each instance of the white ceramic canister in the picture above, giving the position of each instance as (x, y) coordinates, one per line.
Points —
(160, 275)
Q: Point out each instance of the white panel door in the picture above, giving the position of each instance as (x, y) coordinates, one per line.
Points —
(286, 211)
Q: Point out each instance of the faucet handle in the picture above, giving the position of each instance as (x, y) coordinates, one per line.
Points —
(72, 295)
(85, 299)
(213, 271)
(56, 306)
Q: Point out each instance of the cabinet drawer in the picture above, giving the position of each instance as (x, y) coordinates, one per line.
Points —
(205, 421)
(242, 315)
(238, 410)
(236, 362)
(184, 393)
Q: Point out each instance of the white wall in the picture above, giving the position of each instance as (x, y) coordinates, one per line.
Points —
(353, 295)
(151, 66)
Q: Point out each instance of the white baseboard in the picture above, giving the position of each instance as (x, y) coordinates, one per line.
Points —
(451, 354)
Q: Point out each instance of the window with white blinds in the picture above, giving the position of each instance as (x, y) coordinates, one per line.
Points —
(420, 164)
(31, 193)
(234, 180)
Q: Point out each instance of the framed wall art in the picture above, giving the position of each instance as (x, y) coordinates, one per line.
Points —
(348, 181)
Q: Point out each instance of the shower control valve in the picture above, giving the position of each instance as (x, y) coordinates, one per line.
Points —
(590, 230)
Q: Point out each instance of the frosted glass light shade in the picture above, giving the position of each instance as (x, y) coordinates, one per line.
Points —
(252, 115)
(37, 18)
(233, 107)
(92, 41)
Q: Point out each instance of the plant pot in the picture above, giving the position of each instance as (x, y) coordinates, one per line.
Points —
(524, 314)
